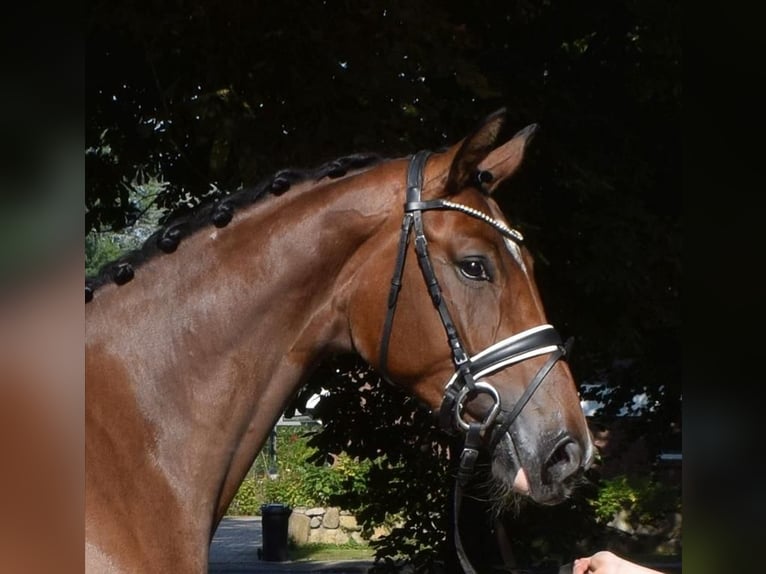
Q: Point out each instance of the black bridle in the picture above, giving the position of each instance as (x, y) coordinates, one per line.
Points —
(540, 340)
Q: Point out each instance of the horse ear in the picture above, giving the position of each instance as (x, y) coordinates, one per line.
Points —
(471, 151)
(504, 160)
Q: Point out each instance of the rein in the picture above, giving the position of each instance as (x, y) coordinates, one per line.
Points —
(540, 340)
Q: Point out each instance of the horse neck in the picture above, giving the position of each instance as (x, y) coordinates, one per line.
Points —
(210, 342)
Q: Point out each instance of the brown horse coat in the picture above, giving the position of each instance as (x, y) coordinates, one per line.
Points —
(190, 363)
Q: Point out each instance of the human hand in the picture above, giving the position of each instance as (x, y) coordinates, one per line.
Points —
(605, 562)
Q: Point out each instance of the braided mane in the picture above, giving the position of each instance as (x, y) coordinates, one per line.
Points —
(219, 212)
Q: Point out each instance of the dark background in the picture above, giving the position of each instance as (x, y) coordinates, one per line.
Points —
(225, 94)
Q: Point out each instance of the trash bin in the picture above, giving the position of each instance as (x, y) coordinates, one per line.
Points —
(274, 520)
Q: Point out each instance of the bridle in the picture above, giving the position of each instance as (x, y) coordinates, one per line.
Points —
(469, 370)
(533, 342)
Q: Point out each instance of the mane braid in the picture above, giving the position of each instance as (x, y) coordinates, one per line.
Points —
(219, 212)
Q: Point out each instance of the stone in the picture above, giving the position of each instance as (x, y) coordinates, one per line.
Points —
(322, 536)
(358, 538)
(329, 536)
(315, 511)
(349, 523)
(621, 521)
(331, 518)
(298, 527)
(379, 532)
(316, 522)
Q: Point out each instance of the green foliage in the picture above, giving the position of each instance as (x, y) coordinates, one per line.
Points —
(299, 481)
(408, 483)
(101, 248)
(643, 499)
(248, 500)
(616, 495)
(412, 459)
(304, 483)
(105, 246)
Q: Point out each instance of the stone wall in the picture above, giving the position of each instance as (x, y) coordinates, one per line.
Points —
(326, 525)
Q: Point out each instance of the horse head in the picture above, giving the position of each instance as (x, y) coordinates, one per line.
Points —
(462, 325)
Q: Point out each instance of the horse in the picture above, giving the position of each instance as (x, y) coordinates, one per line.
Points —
(196, 342)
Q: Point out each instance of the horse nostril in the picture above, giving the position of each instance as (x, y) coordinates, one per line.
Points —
(563, 461)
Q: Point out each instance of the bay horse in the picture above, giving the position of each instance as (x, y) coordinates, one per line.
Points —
(197, 342)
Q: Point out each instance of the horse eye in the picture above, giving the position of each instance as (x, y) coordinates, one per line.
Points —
(474, 268)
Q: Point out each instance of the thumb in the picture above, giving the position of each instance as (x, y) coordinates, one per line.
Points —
(580, 566)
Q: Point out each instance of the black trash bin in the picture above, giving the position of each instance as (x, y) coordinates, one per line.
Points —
(274, 520)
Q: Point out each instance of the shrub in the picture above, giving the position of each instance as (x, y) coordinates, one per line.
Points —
(641, 498)
(248, 500)
(304, 477)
